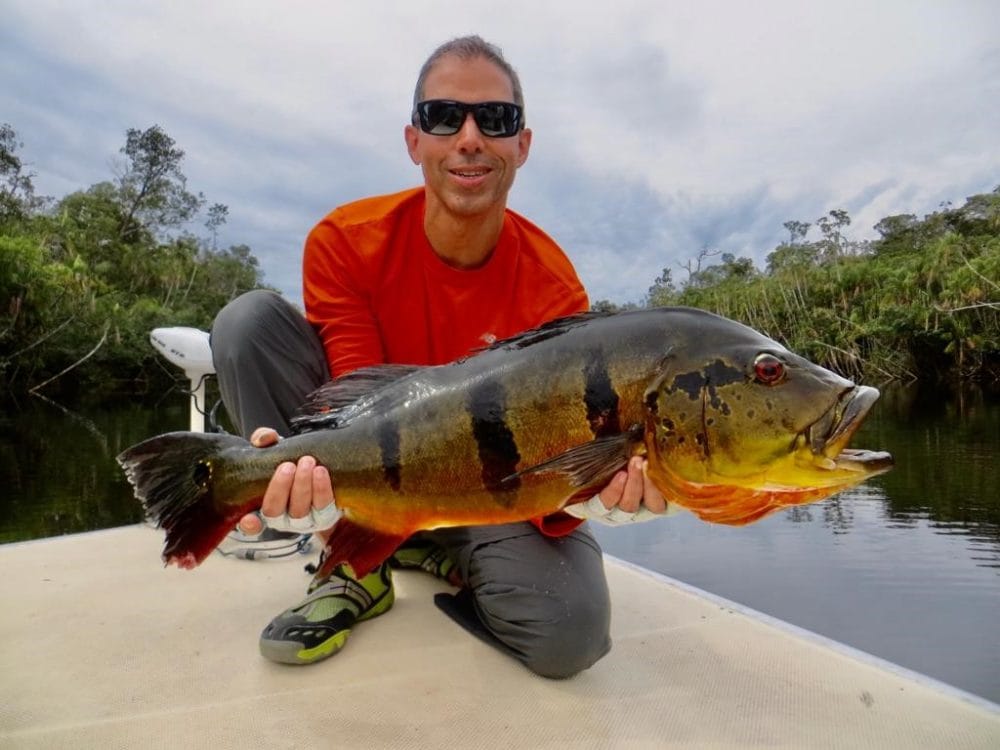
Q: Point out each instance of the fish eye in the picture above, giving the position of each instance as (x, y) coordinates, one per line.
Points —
(768, 369)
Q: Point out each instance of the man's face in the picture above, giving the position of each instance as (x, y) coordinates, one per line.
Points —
(467, 174)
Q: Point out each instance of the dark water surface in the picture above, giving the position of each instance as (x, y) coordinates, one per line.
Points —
(907, 567)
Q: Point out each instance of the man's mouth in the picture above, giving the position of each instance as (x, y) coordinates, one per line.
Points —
(470, 173)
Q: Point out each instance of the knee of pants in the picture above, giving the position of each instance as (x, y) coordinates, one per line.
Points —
(555, 636)
(238, 320)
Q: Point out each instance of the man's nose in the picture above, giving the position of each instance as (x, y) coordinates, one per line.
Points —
(469, 136)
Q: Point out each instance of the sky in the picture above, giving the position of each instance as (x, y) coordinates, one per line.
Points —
(661, 128)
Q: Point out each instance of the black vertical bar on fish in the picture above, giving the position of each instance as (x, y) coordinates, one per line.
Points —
(388, 444)
(599, 396)
(498, 453)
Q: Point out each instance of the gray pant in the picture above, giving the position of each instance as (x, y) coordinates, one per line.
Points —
(545, 600)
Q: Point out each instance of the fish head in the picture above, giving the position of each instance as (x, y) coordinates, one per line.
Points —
(738, 427)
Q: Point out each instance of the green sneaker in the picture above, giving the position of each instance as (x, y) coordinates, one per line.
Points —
(318, 626)
(420, 553)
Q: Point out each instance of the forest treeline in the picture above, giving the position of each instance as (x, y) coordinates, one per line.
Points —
(920, 302)
(84, 278)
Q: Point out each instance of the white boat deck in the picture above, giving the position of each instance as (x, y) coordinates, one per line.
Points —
(102, 647)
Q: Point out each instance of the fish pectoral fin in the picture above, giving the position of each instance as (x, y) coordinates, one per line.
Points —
(588, 465)
(362, 548)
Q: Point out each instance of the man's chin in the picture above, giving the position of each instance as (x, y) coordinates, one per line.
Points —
(474, 204)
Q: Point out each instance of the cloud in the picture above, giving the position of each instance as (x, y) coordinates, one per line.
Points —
(660, 127)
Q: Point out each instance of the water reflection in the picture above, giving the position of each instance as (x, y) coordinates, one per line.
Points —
(58, 469)
(946, 477)
(947, 473)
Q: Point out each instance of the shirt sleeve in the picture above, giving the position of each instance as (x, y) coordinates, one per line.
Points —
(556, 524)
(574, 302)
(336, 290)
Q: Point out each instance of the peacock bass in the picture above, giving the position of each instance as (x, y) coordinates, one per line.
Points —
(734, 427)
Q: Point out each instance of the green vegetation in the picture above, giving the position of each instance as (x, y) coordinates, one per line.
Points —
(922, 302)
(83, 280)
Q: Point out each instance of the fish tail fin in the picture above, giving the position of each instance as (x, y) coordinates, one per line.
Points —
(171, 476)
(362, 548)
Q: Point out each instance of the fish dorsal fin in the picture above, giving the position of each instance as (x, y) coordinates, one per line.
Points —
(590, 464)
(327, 406)
(546, 330)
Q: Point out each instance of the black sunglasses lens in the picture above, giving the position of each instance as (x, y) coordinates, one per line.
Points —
(494, 119)
(441, 118)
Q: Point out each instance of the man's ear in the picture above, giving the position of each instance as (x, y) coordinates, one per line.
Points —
(524, 145)
(412, 137)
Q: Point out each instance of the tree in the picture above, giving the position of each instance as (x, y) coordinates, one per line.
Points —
(693, 265)
(217, 214)
(605, 305)
(791, 257)
(82, 285)
(797, 231)
(663, 291)
(17, 193)
(980, 214)
(732, 269)
(152, 189)
(898, 225)
(833, 245)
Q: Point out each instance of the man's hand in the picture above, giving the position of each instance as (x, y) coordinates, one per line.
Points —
(630, 497)
(299, 496)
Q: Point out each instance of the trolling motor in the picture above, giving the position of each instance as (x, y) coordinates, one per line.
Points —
(189, 349)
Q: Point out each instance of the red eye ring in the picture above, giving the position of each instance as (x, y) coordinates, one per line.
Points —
(768, 369)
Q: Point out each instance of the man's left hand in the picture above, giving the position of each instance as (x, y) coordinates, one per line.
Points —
(630, 497)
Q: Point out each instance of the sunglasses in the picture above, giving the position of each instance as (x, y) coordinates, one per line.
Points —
(446, 117)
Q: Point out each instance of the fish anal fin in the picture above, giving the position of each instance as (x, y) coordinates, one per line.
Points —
(590, 464)
(200, 529)
(362, 548)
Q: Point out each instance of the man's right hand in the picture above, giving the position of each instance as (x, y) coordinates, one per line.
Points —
(299, 496)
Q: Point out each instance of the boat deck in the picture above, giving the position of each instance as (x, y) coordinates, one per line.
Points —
(102, 647)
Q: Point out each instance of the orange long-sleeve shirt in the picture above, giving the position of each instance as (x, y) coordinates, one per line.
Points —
(376, 291)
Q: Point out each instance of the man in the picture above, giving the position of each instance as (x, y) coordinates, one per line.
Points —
(424, 277)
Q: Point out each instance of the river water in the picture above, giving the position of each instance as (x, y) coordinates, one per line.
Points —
(905, 567)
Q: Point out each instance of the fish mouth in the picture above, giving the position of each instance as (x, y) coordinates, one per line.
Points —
(828, 436)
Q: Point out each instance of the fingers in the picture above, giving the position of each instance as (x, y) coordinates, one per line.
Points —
(612, 494)
(251, 524)
(632, 492)
(311, 488)
(651, 497)
(296, 489)
(300, 498)
(279, 489)
(263, 437)
(322, 487)
(632, 489)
